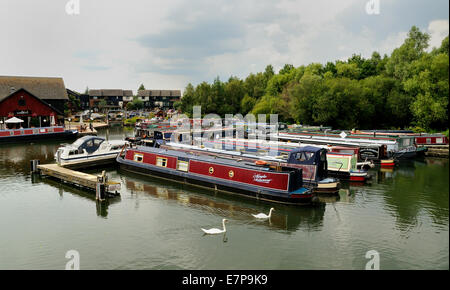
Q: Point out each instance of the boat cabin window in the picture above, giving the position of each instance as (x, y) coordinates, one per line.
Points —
(182, 165)
(89, 143)
(303, 156)
(97, 142)
(406, 142)
(73, 152)
(138, 157)
(103, 146)
(162, 162)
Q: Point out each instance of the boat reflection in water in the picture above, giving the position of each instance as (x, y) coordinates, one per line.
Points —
(346, 194)
(289, 218)
(101, 206)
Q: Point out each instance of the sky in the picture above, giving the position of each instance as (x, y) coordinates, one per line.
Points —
(106, 44)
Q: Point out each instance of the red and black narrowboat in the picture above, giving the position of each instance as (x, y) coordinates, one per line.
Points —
(282, 184)
(29, 134)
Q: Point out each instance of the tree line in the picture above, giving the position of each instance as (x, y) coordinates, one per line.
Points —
(408, 89)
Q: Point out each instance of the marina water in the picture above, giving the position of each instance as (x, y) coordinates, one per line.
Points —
(403, 214)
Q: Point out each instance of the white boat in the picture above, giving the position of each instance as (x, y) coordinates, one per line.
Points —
(88, 151)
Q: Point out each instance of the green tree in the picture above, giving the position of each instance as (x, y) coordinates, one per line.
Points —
(398, 66)
(286, 69)
(141, 88)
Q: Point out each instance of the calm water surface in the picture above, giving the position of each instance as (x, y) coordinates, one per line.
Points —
(403, 214)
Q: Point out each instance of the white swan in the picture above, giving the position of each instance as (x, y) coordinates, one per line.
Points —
(216, 231)
(263, 215)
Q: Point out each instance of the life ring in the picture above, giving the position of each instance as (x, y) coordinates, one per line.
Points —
(260, 162)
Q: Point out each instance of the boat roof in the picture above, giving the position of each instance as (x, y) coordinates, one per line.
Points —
(205, 158)
(86, 138)
(306, 148)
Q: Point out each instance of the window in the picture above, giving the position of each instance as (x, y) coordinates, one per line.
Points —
(160, 161)
(406, 142)
(22, 103)
(182, 165)
(97, 142)
(304, 156)
(138, 157)
(428, 140)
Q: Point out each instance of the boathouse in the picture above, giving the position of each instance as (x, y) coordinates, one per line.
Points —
(38, 101)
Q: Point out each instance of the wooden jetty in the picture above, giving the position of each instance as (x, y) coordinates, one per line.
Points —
(98, 183)
(437, 151)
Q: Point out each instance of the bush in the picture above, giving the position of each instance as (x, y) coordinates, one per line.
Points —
(132, 121)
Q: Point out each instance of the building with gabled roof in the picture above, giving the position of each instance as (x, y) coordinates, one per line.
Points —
(48, 89)
(163, 99)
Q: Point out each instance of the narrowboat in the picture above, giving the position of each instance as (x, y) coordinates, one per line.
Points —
(89, 151)
(251, 179)
(312, 161)
(399, 147)
(349, 171)
(30, 134)
(343, 166)
(420, 138)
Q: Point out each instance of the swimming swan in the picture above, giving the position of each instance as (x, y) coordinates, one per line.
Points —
(263, 215)
(216, 231)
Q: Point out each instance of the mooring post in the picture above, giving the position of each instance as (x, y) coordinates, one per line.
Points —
(58, 157)
(100, 188)
(34, 165)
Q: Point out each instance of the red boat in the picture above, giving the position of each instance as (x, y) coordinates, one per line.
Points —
(282, 184)
(15, 135)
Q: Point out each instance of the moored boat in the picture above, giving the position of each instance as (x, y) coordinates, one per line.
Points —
(282, 184)
(349, 171)
(29, 134)
(89, 151)
(312, 161)
(344, 167)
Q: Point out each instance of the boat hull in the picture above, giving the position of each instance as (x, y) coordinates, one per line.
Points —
(67, 134)
(404, 155)
(89, 162)
(303, 196)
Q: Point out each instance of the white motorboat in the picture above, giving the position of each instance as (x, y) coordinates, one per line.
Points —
(88, 151)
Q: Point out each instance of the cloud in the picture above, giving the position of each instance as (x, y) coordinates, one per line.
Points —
(166, 44)
(438, 30)
(95, 67)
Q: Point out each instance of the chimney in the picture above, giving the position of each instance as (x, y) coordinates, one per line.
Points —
(12, 90)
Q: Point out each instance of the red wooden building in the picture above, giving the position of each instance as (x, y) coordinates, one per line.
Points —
(32, 110)
(38, 101)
